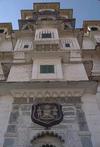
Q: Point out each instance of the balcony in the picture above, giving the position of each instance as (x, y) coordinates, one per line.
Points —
(75, 56)
(46, 41)
(46, 38)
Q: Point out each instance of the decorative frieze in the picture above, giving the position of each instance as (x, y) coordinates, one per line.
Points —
(42, 93)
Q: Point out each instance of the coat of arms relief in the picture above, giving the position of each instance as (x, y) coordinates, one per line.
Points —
(47, 114)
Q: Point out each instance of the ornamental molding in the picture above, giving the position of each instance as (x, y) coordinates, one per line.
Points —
(47, 93)
(49, 133)
(48, 88)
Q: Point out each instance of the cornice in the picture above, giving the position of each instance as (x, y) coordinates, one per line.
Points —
(47, 93)
(49, 88)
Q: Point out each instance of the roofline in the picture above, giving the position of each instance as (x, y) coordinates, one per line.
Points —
(46, 3)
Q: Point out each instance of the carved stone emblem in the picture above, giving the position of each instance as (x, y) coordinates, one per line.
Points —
(47, 114)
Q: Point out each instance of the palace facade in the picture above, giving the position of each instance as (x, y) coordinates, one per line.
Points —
(50, 80)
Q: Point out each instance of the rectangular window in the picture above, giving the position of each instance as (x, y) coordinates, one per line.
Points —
(26, 46)
(1, 30)
(46, 35)
(47, 69)
(67, 45)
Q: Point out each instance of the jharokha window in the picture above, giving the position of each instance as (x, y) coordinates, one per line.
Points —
(26, 46)
(1, 30)
(47, 69)
(67, 45)
(94, 29)
(46, 35)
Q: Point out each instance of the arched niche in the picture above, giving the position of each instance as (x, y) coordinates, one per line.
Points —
(29, 27)
(93, 28)
(44, 18)
(46, 10)
(3, 31)
(47, 139)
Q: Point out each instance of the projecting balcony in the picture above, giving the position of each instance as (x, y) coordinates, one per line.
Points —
(47, 12)
(50, 23)
(46, 47)
(46, 44)
(63, 55)
(46, 41)
(45, 38)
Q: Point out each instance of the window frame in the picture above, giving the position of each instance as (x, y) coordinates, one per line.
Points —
(26, 46)
(93, 29)
(2, 31)
(47, 35)
(47, 69)
(67, 45)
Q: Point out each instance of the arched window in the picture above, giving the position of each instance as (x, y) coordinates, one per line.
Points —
(28, 27)
(44, 18)
(67, 26)
(3, 31)
(93, 28)
(46, 10)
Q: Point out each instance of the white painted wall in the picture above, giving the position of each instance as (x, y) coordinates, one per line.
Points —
(20, 73)
(67, 72)
(24, 41)
(5, 109)
(88, 43)
(36, 75)
(98, 95)
(6, 46)
(92, 112)
(74, 72)
(97, 38)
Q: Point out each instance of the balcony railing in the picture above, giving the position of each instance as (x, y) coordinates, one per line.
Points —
(46, 41)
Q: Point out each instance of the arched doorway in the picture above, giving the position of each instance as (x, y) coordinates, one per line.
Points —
(47, 139)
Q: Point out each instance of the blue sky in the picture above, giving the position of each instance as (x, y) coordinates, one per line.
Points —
(83, 9)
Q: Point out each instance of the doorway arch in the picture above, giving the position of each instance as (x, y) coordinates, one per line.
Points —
(47, 139)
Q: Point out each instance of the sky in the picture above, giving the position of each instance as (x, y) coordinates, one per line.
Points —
(82, 9)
